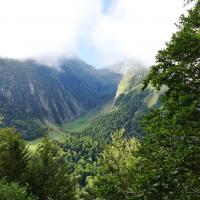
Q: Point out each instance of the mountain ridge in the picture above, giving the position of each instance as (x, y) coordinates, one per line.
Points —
(31, 91)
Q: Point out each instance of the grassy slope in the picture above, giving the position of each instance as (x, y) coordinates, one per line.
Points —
(76, 125)
(82, 122)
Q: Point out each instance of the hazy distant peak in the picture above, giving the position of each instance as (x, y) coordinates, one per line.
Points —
(55, 61)
(127, 66)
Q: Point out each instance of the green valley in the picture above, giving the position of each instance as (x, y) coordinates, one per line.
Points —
(83, 122)
(75, 126)
(70, 131)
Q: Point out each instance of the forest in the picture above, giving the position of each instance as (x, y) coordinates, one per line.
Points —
(122, 156)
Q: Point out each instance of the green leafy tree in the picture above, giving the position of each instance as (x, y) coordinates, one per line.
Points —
(116, 169)
(14, 156)
(12, 191)
(171, 153)
(49, 178)
(81, 153)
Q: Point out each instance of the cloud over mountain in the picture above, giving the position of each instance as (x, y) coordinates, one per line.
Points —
(100, 31)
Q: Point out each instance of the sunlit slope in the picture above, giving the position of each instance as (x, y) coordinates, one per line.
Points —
(75, 126)
(131, 103)
(83, 122)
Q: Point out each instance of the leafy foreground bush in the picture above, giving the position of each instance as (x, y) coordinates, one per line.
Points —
(44, 171)
(12, 191)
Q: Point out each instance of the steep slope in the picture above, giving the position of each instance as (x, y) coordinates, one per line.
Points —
(33, 92)
(131, 103)
(88, 85)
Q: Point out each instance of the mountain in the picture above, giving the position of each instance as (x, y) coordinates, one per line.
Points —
(33, 93)
(131, 103)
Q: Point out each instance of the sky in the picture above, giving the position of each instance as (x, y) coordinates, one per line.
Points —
(101, 32)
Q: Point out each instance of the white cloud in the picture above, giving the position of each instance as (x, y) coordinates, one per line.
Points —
(136, 28)
(131, 29)
(35, 27)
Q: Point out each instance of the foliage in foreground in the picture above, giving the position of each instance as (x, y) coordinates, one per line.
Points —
(14, 156)
(171, 151)
(12, 191)
(49, 178)
(44, 171)
(116, 169)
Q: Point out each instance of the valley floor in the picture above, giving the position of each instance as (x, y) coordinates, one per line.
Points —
(76, 125)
